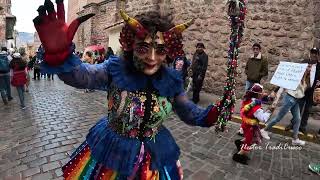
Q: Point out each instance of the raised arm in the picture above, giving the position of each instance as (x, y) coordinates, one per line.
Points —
(192, 114)
(55, 35)
(88, 76)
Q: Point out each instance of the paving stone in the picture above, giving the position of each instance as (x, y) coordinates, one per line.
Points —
(52, 145)
(218, 174)
(38, 162)
(59, 156)
(31, 171)
(20, 168)
(46, 153)
(200, 175)
(70, 141)
(35, 150)
(47, 137)
(28, 159)
(43, 176)
(59, 139)
(58, 172)
(64, 148)
(50, 166)
(14, 177)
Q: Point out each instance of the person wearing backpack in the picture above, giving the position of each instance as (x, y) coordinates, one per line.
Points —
(5, 88)
(19, 78)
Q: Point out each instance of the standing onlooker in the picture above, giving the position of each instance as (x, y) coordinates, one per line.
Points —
(19, 78)
(109, 53)
(24, 57)
(88, 57)
(291, 103)
(199, 68)
(256, 67)
(307, 101)
(181, 64)
(5, 88)
(36, 68)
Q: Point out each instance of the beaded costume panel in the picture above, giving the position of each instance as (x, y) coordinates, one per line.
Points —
(127, 111)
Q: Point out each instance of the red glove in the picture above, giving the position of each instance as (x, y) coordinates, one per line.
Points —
(55, 35)
(212, 116)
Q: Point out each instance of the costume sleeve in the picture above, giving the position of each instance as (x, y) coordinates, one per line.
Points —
(81, 75)
(192, 114)
(261, 115)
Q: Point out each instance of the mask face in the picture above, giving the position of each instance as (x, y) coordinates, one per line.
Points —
(150, 53)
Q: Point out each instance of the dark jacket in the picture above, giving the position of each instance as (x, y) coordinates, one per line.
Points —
(256, 68)
(199, 64)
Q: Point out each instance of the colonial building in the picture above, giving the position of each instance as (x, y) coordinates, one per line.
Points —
(285, 29)
(7, 23)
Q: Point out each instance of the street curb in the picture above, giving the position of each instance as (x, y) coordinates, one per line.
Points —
(281, 130)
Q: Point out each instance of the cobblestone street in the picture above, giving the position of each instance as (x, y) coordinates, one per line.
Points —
(35, 142)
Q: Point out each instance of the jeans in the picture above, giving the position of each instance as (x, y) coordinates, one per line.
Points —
(36, 74)
(289, 103)
(20, 90)
(248, 85)
(5, 88)
(196, 88)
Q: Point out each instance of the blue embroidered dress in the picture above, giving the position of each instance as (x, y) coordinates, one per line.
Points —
(130, 142)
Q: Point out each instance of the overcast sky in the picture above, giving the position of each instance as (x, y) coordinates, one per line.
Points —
(25, 11)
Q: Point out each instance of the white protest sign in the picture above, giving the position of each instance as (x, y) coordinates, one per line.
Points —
(288, 75)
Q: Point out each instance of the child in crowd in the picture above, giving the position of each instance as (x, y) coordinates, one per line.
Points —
(251, 114)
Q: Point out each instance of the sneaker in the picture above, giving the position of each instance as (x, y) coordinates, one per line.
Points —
(264, 134)
(243, 159)
(288, 128)
(298, 142)
(10, 98)
(315, 168)
(23, 107)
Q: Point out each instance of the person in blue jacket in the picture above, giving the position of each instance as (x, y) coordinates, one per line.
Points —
(131, 141)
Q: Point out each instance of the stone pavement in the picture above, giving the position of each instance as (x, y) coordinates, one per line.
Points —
(35, 143)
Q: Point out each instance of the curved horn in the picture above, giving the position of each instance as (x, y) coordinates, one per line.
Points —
(181, 27)
(133, 23)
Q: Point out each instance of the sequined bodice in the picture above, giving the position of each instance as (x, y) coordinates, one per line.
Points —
(138, 113)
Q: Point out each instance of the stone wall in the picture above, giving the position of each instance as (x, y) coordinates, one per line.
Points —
(286, 29)
(316, 22)
(5, 8)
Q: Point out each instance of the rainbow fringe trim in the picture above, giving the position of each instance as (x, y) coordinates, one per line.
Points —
(82, 167)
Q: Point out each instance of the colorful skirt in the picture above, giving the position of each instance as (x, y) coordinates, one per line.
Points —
(83, 166)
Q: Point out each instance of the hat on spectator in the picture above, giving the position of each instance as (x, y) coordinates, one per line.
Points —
(200, 45)
(314, 50)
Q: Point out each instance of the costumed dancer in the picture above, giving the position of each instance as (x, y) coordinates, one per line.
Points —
(251, 114)
(130, 142)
